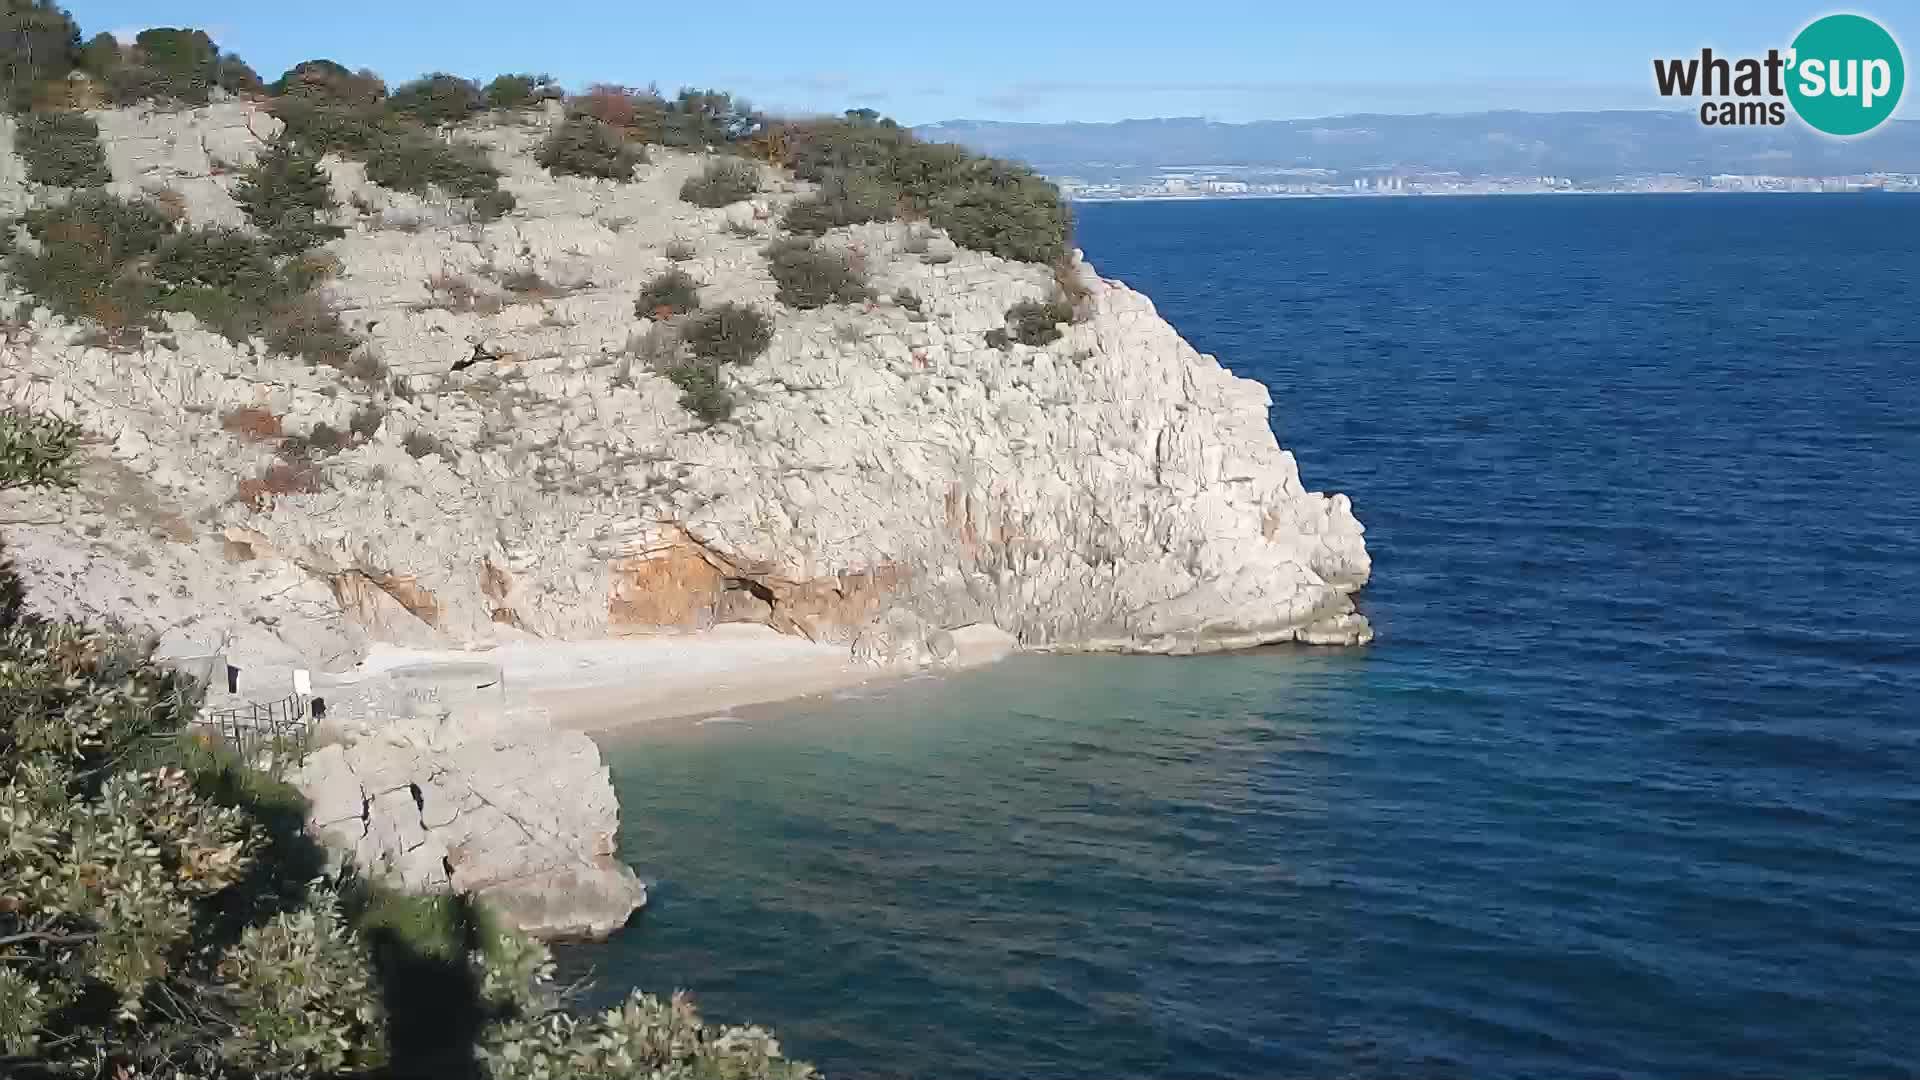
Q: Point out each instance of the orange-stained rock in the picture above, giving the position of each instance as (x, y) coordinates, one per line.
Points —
(672, 587)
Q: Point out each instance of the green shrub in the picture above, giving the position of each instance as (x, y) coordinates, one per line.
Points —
(132, 83)
(367, 369)
(492, 205)
(36, 450)
(83, 269)
(324, 440)
(697, 119)
(694, 120)
(983, 203)
(860, 145)
(286, 195)
(674, 290)
(636, 112)
(584, 146)
(399, 154)
(225, 277)
(217, 258)
(413, 161)
(117, 262)
(62, 149)
(420, 444)
(166, 64)
(1035, 323)
(310, 270)
(519, 91)
(100, 55)
(351, 131)
(328, 82)
(527, 283)
(39, 43)
(236, 76)
(1021, 218)
(701, 392)
(366, 421)
(841, 201)
(438, 98)
(308, 328)
(115, 229)
(722, 183)
(729, 334)
(813, 279)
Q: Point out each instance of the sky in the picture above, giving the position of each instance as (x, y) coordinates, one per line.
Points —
(1020, 60)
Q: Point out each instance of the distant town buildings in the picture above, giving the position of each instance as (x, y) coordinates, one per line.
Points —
(1258, 182)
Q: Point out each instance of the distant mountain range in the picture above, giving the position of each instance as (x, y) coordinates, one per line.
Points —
(1579, 145)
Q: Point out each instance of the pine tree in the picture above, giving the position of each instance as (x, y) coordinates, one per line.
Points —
(286, 195)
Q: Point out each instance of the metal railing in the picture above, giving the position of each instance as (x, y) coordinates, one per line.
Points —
(282, 730)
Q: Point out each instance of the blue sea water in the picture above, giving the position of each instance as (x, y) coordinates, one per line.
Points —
(1628, 787)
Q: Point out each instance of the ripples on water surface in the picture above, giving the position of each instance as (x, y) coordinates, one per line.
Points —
(1630, 785)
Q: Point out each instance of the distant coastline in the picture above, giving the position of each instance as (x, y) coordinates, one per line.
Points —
(1269, 195)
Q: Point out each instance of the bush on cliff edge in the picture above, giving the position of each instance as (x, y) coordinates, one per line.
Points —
(984, 203)
(164, 915)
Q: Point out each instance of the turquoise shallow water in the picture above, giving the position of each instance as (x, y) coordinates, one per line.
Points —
(1629, 787)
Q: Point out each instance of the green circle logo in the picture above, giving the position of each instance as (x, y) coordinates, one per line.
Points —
(1846, 76)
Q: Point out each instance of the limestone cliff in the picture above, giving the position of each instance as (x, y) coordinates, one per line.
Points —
(888, 475)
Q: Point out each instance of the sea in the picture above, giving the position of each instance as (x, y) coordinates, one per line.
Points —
(1628, 786)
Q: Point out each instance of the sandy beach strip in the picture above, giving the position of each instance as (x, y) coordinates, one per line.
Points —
(614, 684)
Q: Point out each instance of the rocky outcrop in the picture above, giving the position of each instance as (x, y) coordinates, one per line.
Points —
(1113, 490)
(431, 790)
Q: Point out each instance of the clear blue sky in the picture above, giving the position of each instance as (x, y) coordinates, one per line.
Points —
(1028, 60)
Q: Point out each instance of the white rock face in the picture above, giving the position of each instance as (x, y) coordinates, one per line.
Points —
(889, 481)
(473, 798)
(1113, 490)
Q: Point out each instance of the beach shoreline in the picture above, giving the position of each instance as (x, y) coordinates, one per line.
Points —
(620, 685)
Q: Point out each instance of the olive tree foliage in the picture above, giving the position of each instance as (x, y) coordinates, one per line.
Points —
(163, 916)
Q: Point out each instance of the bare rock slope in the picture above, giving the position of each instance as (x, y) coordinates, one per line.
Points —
(889, 475)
